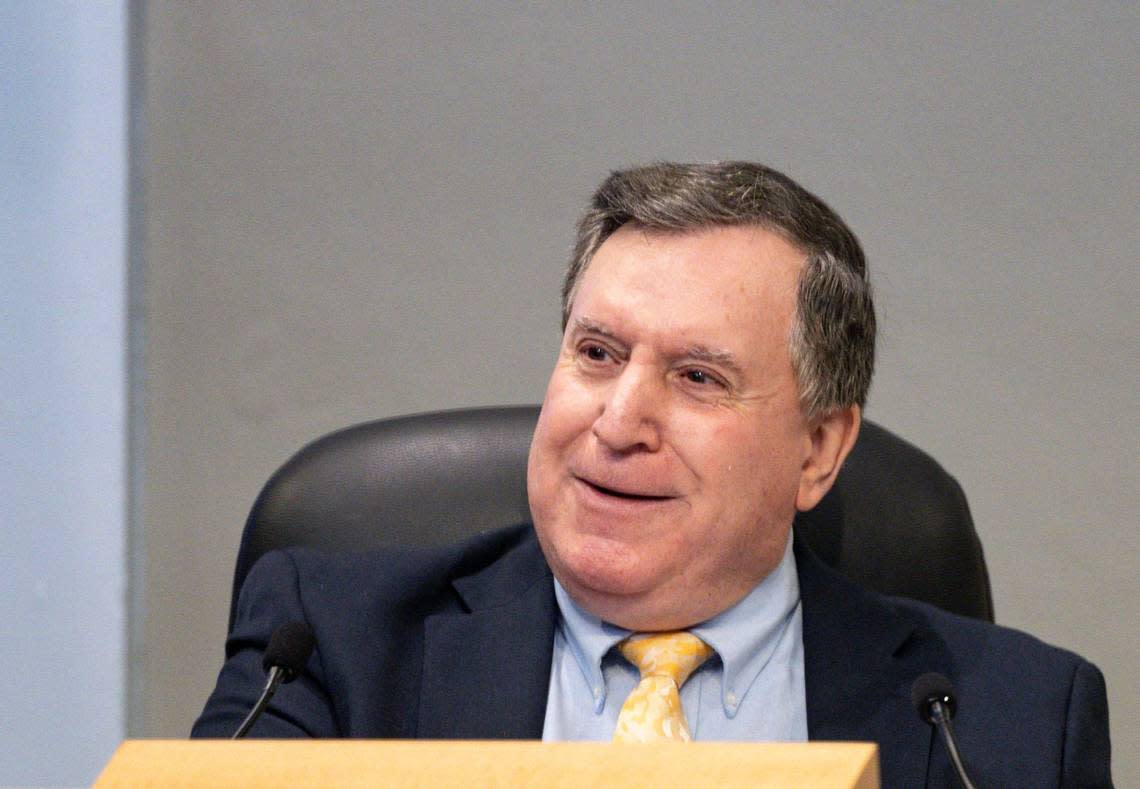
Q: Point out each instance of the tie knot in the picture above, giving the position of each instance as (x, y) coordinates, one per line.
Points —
(674, 655)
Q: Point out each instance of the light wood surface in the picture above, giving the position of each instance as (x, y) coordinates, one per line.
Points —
(428, 763)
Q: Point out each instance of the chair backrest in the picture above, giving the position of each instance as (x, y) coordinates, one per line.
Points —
(895, 521)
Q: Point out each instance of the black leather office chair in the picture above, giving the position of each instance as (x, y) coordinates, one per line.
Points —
(895, 521)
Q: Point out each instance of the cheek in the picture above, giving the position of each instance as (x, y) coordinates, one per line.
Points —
(568, 411)
(541, 467)
(561, 421)
(748, 477)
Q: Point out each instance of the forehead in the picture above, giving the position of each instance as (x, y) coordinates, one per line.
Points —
(729, 291)
(747, 253)
(720, 280)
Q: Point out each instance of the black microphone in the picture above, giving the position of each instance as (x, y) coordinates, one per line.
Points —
(933, 697)
(285, 657)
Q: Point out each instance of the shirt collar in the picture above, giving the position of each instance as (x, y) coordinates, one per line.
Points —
(744, 637)
(589, 639)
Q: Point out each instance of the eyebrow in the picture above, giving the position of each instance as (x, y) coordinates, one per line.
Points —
(700, 353)
(592, 327)
(711, 356)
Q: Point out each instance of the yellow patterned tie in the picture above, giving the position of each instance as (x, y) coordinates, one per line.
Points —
(653, 713)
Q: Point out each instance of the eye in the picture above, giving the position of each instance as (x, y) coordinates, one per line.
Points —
(596, 353)
(701, 378)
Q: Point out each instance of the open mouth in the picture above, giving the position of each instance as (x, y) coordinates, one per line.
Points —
(618, 494)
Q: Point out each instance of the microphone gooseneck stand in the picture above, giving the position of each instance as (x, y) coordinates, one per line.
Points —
(285, 657)
(933, 697)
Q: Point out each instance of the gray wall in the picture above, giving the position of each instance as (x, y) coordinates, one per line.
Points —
(63, 217)
(354, 212)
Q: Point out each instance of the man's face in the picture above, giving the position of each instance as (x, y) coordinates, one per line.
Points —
(665, 468)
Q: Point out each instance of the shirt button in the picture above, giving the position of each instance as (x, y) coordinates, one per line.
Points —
(730, 699)
(597, 692)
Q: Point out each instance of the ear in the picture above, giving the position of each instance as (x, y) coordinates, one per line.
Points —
(832, 437)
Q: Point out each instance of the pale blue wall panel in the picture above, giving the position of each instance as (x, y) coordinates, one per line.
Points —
(62, 388)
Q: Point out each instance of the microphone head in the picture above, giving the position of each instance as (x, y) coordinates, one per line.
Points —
(289, 649)
(931, 688)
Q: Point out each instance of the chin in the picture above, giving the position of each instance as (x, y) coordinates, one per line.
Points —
(612, 581)
(639, 613)
(597, 567)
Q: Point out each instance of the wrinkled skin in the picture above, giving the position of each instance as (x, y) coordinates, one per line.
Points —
(671, 452)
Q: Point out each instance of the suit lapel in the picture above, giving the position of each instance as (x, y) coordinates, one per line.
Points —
(861, 655)
(486, 670)
(487, 665)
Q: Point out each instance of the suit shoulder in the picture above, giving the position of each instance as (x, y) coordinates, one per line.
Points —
(1013, 686)
(384, 577)
(974, 640)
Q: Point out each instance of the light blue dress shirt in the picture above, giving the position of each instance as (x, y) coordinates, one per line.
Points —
(752, 689)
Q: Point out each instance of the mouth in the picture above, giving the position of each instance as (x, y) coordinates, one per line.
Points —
(627, 495)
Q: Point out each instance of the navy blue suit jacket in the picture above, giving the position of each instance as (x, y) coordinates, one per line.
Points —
(457, 643)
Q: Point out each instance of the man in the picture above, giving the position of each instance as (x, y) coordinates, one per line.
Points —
(717, 350)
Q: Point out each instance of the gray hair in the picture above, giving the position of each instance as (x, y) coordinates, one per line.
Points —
(832, 341)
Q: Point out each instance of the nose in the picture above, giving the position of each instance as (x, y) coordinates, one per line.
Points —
(631, 412)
